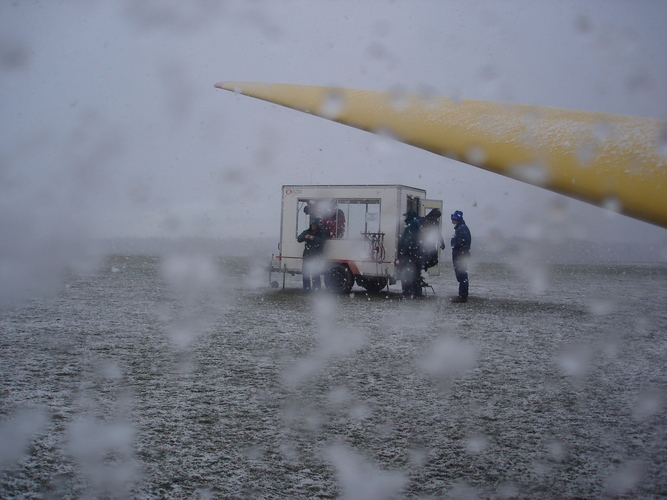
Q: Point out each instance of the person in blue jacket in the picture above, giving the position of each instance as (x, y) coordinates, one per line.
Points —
(314, 238)
(461, 254)
(409, 263)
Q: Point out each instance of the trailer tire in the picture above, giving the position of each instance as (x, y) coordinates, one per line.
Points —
(339, 279)
(373, 284)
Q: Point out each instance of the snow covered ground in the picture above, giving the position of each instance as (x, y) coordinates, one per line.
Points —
(187, 377)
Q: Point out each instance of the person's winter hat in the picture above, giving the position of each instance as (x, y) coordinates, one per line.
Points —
(457, 216)
(410, 214)
(434, 214)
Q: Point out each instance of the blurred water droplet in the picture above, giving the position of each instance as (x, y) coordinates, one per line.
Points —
(16, 432)
(360, 411)
(257, 277)
(384, 142)
(477, 444)
(527, 264)
(556, 450)
(376, 50)
(476, 155)
(648, 404)
(611, 346)
(662, 142)
(601, 306)
(332, 341)
(575, 360)
(586, 153)
(254, 453)
(185, 366)
(429, 95)
(338, 395)
(359, 478)
(533, 230)
(636, 83)
(110, 370)
(602, 131)
(301, 371)
(418, 456)
(400, 100)
(463, 491)
(558, 211)
(625, 478)
(205, 494)
(536, 174)
(488, 73)
(507, 491)
(583, 24)
(189, 272)
(448, 357)
(196, 281)
(313, 421)
(612, 203)
(333, 105)
(179, 17)
(91, 443)
(13, 55)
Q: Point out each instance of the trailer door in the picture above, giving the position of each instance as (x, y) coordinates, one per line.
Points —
(433, 232)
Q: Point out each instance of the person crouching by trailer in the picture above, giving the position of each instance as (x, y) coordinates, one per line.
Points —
(461, 255)
(409, 263)
(314, 238)
(431, 238)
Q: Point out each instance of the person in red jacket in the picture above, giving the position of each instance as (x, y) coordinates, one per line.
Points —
(333, 218)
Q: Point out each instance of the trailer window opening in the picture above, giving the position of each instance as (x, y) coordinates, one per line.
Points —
(343, 218)
(414, 203)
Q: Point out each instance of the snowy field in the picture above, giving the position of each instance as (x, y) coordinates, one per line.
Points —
(189, 377)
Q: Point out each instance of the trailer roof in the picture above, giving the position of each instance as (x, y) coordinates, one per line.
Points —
(352, 186)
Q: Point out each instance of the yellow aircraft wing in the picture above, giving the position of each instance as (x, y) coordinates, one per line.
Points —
(611, 160)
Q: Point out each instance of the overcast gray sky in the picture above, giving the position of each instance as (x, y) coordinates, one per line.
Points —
(111, 125)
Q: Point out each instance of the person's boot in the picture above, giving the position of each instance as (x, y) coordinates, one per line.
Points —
(459, 299)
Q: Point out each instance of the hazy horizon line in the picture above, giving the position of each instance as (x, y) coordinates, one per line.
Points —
(484, 249)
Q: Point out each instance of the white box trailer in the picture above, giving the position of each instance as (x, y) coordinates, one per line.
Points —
(363, 224)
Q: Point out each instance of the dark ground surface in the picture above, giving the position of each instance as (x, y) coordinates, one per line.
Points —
(189, 378)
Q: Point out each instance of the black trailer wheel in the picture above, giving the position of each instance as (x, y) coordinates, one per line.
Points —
(372, 284)
(339, 279)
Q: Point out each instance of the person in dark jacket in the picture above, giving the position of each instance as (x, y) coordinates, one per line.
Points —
(410, 256)
(431, 238)
(461, 254)
(314, 238)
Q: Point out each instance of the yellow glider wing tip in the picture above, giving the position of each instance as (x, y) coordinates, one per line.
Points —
(223, 86)
(238, 87)
(557, 149)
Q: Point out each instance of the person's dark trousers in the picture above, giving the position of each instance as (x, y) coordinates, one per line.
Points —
(410, 273)
(317, 282)
(310, 273)
(460, 260)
